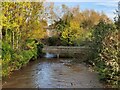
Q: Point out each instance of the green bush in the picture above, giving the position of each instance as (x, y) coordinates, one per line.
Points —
(15, 59)
(106, 53)
(99, 32)
(39, 49)
(52, 41)
(7, 52)
(109, 69)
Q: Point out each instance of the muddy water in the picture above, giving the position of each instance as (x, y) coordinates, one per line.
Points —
(53, 73)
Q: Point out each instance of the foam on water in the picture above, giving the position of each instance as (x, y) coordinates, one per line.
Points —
(48, 55)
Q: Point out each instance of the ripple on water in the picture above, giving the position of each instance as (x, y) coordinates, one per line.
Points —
(53, 73)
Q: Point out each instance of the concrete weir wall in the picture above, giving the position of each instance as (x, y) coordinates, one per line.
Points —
(68, 51)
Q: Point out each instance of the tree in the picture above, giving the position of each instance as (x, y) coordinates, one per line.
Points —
(71, 33)
(21, 25)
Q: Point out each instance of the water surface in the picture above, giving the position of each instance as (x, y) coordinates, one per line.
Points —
(53, 73)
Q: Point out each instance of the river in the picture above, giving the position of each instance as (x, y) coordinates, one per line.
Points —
(53, 73)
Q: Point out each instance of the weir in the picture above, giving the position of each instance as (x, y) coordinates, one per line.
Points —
(66, 50)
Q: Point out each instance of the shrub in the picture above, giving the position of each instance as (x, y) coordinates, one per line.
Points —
(99, 33)
(53, 40)
(39, 49)
(106, 53)
(15, 59)
(109, 58)
(7, 52)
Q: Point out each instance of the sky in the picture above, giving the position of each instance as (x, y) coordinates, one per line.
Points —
(107, 6)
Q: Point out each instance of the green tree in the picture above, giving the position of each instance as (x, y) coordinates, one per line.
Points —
(21, 25)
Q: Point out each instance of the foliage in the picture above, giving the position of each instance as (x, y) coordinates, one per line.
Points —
(6, 58)
(109, 56)
(54, 40)
(22, 27)
(106, 52)
(13, 60)
(74, 26)
(99, 32)
(39, 49)
(71, 33)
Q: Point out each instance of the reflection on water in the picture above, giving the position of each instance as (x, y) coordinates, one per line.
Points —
(53, 73)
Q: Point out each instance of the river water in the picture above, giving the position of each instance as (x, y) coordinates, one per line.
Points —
(53, 73)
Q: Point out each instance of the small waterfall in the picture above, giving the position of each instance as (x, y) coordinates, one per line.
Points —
(48, 55)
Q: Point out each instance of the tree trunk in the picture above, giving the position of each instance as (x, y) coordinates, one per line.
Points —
(13, 36)
(17, 42)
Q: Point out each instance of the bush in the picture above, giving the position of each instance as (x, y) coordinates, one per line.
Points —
(7, 52)
(106, 53)
(109, 57)
(99, 33)
(15, 59)
(53, 41)
(39, 49)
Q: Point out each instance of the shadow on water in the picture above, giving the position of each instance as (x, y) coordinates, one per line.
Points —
(52, 72)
